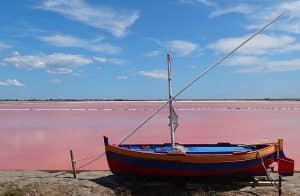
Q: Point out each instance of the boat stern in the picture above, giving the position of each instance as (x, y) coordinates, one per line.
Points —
(285, 164)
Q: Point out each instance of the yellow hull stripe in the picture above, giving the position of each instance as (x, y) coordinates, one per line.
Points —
(194, 158)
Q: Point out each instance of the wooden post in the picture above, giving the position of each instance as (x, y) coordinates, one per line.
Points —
(279, 186)
(73, 163)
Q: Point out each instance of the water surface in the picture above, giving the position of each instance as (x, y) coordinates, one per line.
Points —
(39, 135)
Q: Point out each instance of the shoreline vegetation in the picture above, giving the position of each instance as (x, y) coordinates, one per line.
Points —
(120, 99)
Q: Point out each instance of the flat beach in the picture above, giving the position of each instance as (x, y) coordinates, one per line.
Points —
(24, 182)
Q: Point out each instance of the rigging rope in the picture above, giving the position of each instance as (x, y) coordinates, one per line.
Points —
(211, 67)
(200, 76)
(228, 54)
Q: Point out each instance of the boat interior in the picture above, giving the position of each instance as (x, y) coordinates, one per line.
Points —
(220, 148)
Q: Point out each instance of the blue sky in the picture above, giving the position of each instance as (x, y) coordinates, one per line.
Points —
(117, 49)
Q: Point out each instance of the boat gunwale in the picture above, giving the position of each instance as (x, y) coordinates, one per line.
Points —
(271, 148)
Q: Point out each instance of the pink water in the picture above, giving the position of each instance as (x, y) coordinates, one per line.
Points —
(40, 135)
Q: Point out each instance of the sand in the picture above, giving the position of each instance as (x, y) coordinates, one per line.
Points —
(104, 183)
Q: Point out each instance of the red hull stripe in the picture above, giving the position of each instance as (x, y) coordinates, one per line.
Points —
(182, 166)
(118, 167)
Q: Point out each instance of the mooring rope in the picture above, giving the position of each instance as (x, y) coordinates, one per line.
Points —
(88, 158)
(96, 157)
(269, 177)
(127, 136)
(92, 161)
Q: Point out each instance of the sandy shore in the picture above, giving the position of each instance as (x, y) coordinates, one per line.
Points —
(104, 183)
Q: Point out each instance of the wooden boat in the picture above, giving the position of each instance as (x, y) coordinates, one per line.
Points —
(196, 160)
(187, 160)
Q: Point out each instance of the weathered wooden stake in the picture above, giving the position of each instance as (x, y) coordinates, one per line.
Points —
(73, 163)
(279, 188)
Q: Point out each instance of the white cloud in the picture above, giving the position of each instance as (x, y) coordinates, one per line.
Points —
(209, 3)
(262, 13)
(4, 46)
(258, 14)
(112, 20)
(27, 61)
(241, 60)
(153, 53)
(272, 66)
(60, 70)
(59, 63)
(265, 52)
(291, 22)
(157, 74)
(122, 77)
(55, 81)
(63, 40)
(61, 59)
(115, 61)
(252, 64)
(179, 47)
(259, 55)
(100, 59)
(291, 6)
(192, 66)
(290, 27)
(219, 10)
(239, 8)
(11, 82)
(282, 65)
(71, 41)
(262, 44)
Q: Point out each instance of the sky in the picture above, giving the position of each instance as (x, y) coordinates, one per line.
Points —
(117, 49)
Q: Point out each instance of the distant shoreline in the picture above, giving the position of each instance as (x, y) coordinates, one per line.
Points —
(128, 100)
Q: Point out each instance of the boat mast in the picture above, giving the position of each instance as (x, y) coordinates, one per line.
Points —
(171, 117)
(210, 68)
